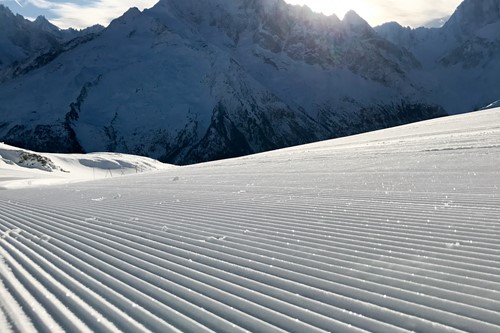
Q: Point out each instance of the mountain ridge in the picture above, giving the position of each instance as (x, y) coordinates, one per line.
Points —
(214, 79)
(22, 39)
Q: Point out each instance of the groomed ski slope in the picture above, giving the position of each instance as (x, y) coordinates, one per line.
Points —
(391, 231)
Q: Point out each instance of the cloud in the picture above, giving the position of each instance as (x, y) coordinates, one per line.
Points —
(41, 3)
(82, 14)
(412, 13)
(415, 13)
(15, 1)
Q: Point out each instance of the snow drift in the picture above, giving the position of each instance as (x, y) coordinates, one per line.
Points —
(24, 168)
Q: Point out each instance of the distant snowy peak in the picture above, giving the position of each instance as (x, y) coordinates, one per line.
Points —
(472, 33)
(21, 39)
(472, 15)
(131, 14)
(5, 11)
(356, 23)
(64, 35)
(475, 26)
(43, 24)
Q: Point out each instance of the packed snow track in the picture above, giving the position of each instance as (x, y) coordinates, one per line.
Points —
(391, 231)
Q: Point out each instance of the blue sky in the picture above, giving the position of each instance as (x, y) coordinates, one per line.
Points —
(83, 13)
(75, 13)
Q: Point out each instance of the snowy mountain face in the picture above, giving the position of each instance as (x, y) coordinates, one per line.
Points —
(22, 40)
(65, 35)
(460, 61)
(190, 81)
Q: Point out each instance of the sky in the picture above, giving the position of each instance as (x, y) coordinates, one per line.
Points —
(83, 13)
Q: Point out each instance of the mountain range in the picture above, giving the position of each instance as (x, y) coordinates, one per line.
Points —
(191, 81)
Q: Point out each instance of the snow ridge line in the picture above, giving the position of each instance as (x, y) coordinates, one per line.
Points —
(154, 312)
(232, 328)
(484, 236)
(298, 230)
(176, 228)
(11, 314)
(28, 245)
(261, 244)
(111, 229)
(29, 305)
(359, 233)
(411, 219)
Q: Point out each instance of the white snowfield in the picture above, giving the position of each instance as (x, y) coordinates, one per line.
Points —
(391, 231)
(20, 168)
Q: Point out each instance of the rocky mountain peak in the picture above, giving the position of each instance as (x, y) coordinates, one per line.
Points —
(3, 9)
(473, 15)
(352, 18)
(6, 15)
(41, 20)
(132, 12)
(43, 24)
(355, 23)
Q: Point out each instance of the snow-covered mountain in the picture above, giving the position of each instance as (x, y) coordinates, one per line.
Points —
(21, 40)
(189, 81)
(461, 61)
(392, 231)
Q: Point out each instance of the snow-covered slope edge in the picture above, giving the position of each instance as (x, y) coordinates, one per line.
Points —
(24, 168)
(493, 105)
(392, 231)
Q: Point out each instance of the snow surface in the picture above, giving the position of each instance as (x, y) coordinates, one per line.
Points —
(391, 231)
(21, 168)
(495, 104)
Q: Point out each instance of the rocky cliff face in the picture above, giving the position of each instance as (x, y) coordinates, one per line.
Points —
(189, 81)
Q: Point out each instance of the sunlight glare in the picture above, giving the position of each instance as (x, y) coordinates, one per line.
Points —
(336, 7)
